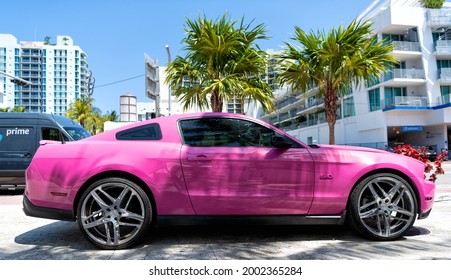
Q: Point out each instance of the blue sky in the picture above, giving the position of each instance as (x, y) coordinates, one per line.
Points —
(115, 34)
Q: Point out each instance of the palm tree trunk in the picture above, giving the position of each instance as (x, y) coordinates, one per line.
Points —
(216, 102)
(330, 106)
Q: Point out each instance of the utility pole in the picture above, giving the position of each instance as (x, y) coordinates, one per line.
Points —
(152, 82)
(169, 86)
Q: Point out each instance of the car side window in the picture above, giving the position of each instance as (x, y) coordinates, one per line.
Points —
(228, 132)
(49, 133)
(145, 132)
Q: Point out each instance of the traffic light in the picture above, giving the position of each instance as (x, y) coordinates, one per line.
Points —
(20, 82)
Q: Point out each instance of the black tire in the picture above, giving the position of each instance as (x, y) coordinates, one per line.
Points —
(383, 207)
(114, 213)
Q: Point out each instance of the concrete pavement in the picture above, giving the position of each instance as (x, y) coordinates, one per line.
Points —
(27, 238)
(443, 183)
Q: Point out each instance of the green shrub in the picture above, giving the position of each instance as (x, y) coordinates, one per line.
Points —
(432, 4)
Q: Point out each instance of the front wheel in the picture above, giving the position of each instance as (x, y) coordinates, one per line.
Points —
(114, 213)
(383, 207)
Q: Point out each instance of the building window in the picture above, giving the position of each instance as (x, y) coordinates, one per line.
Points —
(375, 99)
(348, 107)
(446, 91)
(235, 106)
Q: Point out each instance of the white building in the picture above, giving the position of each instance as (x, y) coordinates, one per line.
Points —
(409, 105)
(58, 73)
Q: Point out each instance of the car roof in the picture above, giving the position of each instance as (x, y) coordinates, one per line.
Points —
(24, 115)
(168, 120)
(61, 120)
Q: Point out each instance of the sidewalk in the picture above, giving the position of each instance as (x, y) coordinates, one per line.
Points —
(443, 183)
(442, 193)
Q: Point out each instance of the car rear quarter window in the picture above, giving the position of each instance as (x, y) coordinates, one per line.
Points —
(145, 132)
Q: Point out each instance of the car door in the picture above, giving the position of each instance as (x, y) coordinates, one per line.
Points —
(231, 167)
(17, 147)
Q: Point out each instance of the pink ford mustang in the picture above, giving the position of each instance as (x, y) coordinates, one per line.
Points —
(196, 167)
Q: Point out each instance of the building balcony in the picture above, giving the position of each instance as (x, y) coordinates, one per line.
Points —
(398, 77)
(439, 17)
(283, 103)
(406, 102)
(29, 67)
(443, 46)
(444, 75)
(406, 46)
(406, 50)
(403, 77)
(405, 74)
(31, 60)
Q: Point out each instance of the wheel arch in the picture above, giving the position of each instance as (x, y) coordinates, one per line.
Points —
(115, 173)
(391, 171)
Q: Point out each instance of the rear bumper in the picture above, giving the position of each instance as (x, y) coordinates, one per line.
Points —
(47, 213)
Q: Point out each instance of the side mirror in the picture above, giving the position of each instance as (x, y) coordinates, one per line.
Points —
(280, 142)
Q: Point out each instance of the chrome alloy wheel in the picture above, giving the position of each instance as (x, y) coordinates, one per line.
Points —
(386, 207)
(114, 213)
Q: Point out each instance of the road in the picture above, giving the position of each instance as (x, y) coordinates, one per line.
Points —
(27, 238)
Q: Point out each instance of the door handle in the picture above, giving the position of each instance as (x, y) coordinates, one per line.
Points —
(198, 158)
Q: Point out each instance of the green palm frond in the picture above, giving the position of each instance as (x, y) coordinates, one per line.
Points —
(334, 62)
(220, 56)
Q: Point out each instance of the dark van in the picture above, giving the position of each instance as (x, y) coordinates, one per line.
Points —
(20, 134)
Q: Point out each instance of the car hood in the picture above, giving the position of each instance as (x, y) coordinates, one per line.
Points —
(352, 148)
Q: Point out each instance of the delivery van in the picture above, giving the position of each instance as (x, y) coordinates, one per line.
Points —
(20, 134)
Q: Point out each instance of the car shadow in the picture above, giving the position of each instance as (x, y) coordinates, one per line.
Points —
(64, 240)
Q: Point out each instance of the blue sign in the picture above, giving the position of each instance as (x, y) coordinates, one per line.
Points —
(412, 128)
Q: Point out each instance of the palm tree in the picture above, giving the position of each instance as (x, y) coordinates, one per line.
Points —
(81, 110)
(334, 62)
(222, 62)
(432, 4)
(95, 123)
(111, 116)
(15, 109)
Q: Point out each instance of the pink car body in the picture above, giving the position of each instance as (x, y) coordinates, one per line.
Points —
(183, 180)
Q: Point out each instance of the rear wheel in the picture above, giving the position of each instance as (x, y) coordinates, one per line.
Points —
(114, 213)
(383, 207)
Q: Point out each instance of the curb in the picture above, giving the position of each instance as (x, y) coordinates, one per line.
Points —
(442, 197)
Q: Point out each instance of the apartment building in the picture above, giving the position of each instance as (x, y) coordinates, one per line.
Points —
(58, 74)
(408, 105)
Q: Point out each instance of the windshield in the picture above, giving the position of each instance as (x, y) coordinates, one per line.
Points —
(77, 133)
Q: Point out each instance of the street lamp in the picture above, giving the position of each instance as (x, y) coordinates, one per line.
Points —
(169, 86)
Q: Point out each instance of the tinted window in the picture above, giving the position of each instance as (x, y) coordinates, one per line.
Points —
(146, 132)
(213, 132)
(49, 133)
(77, 133)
